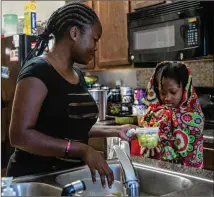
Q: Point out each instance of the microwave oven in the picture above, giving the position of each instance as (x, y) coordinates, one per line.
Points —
(172, 31)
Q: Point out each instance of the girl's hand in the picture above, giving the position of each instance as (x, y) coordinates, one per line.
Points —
(149, 151)
(123, 131)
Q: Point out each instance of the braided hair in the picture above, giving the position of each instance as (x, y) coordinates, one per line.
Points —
(173, 70)
(61, 21)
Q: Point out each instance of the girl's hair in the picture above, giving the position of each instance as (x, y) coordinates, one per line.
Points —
(61, 21)
(173, 70)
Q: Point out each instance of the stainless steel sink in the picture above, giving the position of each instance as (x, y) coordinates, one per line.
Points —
(152, 182)
(36, 189)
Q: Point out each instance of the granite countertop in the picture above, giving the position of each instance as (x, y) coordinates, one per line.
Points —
(209, 136)
(198, 189)
(202, 173)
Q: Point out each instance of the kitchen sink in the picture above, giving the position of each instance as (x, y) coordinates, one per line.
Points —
(152, 182)
(36, 189)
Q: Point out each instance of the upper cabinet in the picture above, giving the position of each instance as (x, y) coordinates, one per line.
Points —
(113, 45)
(88, 3)
(141, 4)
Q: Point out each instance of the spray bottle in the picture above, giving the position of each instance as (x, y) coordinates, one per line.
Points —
(8, 190)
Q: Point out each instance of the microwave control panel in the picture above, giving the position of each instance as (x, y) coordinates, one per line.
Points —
(192, 32)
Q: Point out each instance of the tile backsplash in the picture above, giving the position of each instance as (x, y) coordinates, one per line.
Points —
(201, 70)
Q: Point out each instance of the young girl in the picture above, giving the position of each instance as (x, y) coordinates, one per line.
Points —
(173, 104)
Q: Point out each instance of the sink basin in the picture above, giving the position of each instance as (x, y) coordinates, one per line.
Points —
(36, 189)
(152, 182)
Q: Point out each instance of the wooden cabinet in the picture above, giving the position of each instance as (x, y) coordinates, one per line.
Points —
(208, 156)
(113, 45)
(88, 3)
(141, 4)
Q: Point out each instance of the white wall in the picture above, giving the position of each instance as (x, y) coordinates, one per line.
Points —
(44, 8)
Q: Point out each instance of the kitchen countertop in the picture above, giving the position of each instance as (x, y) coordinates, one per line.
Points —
(209, 136)
(202, 173)
(201, 189)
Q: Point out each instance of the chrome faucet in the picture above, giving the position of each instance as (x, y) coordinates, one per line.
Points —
(131, 181)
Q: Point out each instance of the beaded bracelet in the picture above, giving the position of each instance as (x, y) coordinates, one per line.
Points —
(67, 148)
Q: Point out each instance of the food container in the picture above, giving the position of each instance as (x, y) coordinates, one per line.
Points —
(126, 91)
(147, 137)
(126, 120)
(138, 110)
(114, 108)
(10, 24)
(126, 109)
(20, 27)
(96, 86)
(139, 94)
(96, 189)
(90, 80)
(30, 27)
(127, 99)
(114, 96)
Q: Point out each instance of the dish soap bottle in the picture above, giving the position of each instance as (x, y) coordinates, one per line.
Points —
(8, 190)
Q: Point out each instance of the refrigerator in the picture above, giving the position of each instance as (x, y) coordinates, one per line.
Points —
(14, 49)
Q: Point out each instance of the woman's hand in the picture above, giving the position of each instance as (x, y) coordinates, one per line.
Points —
(95, 161)
(123, 131)
(149, 151)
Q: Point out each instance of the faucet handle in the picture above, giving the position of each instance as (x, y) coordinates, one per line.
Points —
(73, 188)
(124, 145)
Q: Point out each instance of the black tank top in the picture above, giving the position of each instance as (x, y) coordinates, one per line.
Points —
(68, 112)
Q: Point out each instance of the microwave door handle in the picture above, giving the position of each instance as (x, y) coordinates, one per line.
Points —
(182, 31)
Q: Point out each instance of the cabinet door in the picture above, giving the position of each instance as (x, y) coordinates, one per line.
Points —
(141, 4)
(88, 3)
(208, 156)
(113, 45)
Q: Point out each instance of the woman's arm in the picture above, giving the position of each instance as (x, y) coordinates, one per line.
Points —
(111, 131)
(104, 131)
(29, 96)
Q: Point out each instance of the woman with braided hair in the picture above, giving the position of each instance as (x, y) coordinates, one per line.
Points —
(53, 113)
(173, 104)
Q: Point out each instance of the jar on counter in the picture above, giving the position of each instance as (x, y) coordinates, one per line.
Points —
(139, 94)
(20, 27)
(96, 86)
(114, 96)
(126, 91)
(138, 110)
(114, 109)
(10, 24)
(126, 109)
